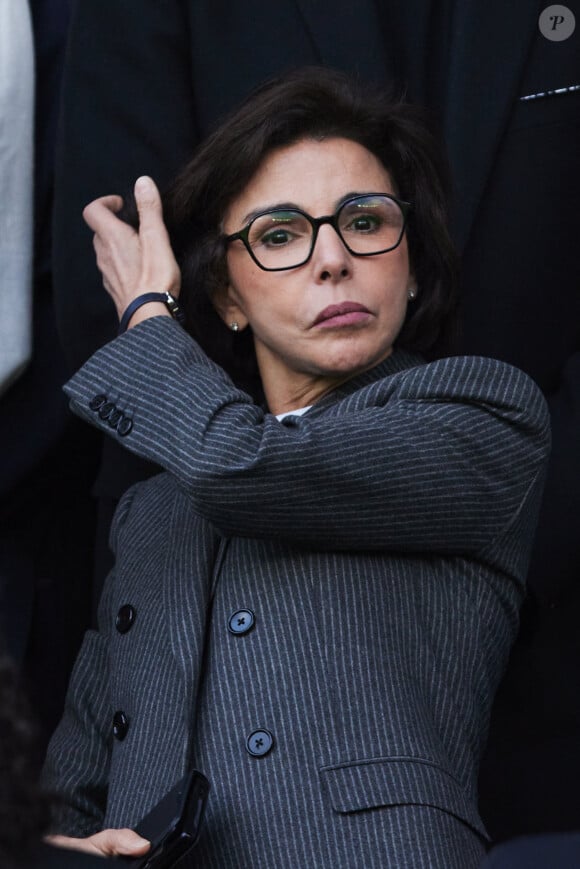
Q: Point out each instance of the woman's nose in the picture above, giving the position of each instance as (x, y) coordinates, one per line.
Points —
(330, 257)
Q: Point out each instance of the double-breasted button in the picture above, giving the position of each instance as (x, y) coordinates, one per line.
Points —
(120, 725)
(125, 425)
(97, 401)
(260, 743)
(114, 417)
(241, 622)
(125, 618)
(106, 409)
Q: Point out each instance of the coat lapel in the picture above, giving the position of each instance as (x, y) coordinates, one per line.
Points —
(488, 53)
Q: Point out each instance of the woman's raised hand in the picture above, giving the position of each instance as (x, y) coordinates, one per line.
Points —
(131, 261)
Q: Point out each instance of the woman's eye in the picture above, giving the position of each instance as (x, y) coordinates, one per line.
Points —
(364, 223)
(276, 237)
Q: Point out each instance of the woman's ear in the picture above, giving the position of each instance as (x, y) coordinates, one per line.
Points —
(227, 307)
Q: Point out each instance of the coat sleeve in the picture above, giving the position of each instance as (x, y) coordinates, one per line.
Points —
(439, 457)
(76, 770)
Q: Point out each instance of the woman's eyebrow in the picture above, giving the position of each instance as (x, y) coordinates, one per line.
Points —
(347, 196)
(293, 206)
(278, 206)
(354, 194)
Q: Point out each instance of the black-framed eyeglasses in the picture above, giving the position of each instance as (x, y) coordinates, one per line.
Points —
(284, 238)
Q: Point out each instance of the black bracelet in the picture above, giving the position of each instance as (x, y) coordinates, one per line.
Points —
(168, 300)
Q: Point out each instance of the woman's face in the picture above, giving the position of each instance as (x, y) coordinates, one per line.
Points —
(337, 315)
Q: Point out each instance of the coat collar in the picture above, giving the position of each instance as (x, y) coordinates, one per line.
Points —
(399, 360)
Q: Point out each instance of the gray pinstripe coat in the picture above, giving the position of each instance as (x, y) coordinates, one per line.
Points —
(380, 542)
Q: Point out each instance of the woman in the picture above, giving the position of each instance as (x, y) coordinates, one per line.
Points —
(315, 605)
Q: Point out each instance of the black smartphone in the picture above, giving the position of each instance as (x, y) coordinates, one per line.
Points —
(173, 825)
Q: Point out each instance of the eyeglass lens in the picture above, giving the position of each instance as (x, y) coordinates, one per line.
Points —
(366, 224)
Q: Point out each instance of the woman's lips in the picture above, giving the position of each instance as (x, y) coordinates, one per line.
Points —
(345, 314)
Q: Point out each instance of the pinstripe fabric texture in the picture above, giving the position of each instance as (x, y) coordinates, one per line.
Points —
(381, 542)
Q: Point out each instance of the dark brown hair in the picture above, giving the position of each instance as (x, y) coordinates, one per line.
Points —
(315, 103)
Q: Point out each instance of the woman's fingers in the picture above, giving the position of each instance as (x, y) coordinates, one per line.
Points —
(160, 271)
(117, 249)
(107, 843)
(125, 841)
(101, 212)
(133, 262)
(149, 206)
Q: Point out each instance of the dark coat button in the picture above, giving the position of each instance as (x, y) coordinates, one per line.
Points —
(125, 425)
(241, 622)
(97, 402)
(259, 743)
(114, 418)
(125, 618)
(120, 725)
(106, 409)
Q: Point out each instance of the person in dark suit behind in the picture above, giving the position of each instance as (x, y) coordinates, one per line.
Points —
(536, 852)
(315, 605)
(48, 461)
(140, 92)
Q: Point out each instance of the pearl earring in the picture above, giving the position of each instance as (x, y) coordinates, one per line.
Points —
(412, 293)
(234, 326)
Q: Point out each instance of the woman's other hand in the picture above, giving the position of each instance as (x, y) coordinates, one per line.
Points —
(107, 843)
(131, 261)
